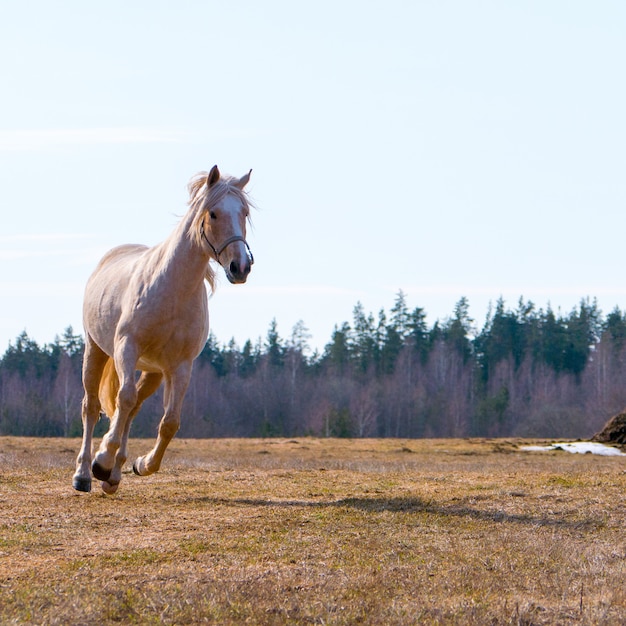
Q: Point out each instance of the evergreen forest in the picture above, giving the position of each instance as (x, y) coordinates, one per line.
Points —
(526, 372)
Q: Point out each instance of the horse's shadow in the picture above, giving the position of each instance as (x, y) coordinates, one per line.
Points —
(411, 505)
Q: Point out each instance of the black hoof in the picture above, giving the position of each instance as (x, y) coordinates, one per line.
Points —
(82, 484)
(99, 472)
(135, 470)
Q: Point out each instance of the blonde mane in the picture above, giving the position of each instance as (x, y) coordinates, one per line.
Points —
(201, 199)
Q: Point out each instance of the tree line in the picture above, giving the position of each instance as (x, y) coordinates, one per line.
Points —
(526, 372)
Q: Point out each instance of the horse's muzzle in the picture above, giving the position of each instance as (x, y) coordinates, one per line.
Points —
(237, 273)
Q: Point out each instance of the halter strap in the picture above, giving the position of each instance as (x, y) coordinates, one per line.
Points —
(226, 244)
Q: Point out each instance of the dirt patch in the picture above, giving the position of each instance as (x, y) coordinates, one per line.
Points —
(614, 431)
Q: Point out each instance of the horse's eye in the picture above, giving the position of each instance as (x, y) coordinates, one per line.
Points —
(212, 215)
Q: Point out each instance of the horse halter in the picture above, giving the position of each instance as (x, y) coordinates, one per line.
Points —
(226, 244)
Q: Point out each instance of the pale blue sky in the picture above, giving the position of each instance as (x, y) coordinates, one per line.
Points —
(446, 148)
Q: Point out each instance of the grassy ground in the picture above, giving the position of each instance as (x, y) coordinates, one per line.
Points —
(314, 531)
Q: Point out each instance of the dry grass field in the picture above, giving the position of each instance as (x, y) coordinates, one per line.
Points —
(313, 531)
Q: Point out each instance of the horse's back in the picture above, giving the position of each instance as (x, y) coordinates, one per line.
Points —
(123, 254)
(114, 270)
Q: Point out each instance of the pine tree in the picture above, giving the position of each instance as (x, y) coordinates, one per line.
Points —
(364, 343)
(457, 330)
(274, 346)
(337, 352)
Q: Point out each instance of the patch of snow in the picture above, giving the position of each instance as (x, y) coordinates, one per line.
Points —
(578, 447)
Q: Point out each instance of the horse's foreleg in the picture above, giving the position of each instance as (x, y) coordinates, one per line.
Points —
(175, 388)
(125, 361)
(93, 365)
(148, 383)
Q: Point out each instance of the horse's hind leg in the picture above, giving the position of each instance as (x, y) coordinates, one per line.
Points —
(175, 388)
(148, 383)
(93, 365)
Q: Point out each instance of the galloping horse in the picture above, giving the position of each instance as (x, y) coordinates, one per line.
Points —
(146, 309)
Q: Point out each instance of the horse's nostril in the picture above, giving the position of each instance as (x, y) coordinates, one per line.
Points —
(239, 270)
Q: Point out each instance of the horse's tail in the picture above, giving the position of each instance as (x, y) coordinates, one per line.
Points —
(109, 386)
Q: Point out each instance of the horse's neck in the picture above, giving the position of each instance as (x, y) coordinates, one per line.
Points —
(182, 260)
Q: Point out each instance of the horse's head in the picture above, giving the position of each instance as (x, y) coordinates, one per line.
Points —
(223, 226)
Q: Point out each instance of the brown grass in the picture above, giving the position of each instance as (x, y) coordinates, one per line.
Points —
(314, 531)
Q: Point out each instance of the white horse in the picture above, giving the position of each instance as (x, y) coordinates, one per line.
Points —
(146, 309)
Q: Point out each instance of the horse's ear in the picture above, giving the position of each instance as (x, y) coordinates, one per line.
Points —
(243, 181)
(213, 177)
